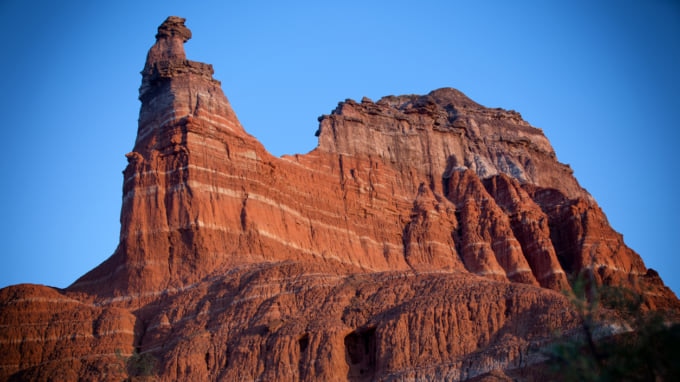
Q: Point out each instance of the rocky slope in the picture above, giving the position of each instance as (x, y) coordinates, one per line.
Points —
(426, 237)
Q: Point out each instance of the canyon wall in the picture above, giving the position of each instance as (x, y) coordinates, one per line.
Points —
(426, 237)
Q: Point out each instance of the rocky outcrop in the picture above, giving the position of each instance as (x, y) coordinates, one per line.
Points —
(426, 237)
(47, 335)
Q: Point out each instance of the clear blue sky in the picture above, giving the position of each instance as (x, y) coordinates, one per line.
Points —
(601, 78)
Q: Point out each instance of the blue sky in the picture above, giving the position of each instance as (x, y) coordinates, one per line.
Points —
(600, 78)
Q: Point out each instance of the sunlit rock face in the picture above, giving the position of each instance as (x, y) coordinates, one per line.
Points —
(426, 237)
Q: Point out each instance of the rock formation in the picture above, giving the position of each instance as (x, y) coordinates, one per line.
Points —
(426, 237)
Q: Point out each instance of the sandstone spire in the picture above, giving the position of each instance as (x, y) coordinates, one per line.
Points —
(171, 36)
(166, 57)
(186, 126)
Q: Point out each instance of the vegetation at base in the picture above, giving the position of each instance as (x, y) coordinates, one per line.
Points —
(138, 364)
(647, 348)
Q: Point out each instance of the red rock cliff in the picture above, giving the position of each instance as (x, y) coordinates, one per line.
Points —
(425, 237)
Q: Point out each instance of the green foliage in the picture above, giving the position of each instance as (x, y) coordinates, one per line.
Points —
(138, 364)
(649, 350)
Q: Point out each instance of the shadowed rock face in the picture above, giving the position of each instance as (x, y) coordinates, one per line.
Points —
(425, 237)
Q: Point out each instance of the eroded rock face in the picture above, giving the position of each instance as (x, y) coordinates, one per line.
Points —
(426, 237)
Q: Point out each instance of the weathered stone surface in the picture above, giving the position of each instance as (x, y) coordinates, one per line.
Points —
(426, 237)
(46, 335)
